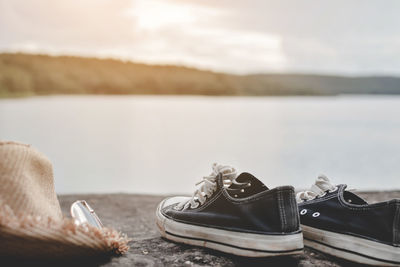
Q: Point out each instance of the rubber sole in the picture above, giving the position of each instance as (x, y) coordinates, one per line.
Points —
(351, 248)
(237, 243)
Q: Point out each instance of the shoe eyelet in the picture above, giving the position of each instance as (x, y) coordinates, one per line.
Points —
(303, 211)
(235, 195)
(316, 214)
(242, 190)
(249, 184)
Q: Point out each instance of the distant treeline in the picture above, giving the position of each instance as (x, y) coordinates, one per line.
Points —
(26, 74)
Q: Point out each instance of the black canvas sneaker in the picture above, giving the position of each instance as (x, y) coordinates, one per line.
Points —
(340, 223)
(234, 214)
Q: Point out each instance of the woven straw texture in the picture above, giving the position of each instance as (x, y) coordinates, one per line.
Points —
(31, 223)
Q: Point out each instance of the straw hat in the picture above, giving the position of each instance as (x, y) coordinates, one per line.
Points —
(31, 222)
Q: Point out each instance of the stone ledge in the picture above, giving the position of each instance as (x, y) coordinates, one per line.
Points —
(135, 216)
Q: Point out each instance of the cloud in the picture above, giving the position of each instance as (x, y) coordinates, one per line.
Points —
(351, 37)
(65, 24)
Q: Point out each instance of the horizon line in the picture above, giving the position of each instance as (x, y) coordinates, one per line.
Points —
(193, 67)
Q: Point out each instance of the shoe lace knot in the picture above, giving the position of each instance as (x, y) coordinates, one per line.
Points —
(321, 186)
(209, 185)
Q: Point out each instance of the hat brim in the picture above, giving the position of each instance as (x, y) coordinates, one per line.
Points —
(36, 237)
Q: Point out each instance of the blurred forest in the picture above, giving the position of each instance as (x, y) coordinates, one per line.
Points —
(28, 74)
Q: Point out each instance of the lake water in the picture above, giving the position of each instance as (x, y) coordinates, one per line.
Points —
(164, 145)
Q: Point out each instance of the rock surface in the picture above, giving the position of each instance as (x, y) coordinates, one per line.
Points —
(135, 216)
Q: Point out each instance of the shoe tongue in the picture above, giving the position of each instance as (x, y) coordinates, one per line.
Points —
(246, 178)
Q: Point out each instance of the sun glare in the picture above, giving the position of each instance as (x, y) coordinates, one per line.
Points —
(181, 32)
(150, 15)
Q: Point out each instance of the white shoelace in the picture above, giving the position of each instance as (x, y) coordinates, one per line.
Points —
(319, 189)
(209, 185)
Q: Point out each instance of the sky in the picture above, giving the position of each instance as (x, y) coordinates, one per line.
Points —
(348, 37)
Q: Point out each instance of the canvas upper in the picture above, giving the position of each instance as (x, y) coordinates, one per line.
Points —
(342, 211)
(246, 205)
